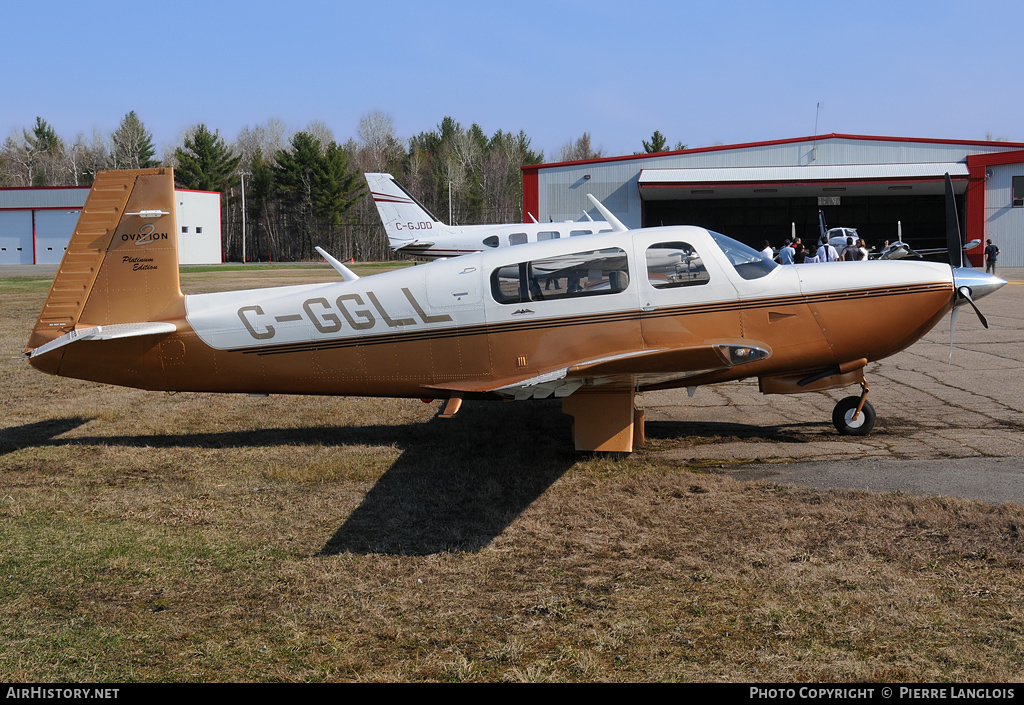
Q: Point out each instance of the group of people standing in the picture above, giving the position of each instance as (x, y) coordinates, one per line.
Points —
(794, 252)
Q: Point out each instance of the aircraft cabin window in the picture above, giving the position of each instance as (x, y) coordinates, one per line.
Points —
(491, 241)
(747, 262)
(574, 233)
(566, 276)
(547, 235)
(672, 264)
(517, 239)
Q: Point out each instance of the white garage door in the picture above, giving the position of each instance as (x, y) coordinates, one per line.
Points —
(15, 237)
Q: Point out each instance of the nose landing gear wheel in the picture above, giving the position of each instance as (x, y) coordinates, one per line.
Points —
(842, 417)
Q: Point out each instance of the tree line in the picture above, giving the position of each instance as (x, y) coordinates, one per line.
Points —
(292, 192)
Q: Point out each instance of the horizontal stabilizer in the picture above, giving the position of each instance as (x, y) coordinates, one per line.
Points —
(414, 243)
(109, 332)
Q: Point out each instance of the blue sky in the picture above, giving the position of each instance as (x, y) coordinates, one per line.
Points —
(700, 72)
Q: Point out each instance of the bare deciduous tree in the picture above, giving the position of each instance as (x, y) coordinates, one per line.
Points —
(579, 149)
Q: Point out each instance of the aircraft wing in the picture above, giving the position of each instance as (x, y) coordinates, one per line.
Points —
(630, 369)
(942, 250)
(899, 250)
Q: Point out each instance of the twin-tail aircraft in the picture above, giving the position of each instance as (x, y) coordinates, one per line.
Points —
(592, 321)
(415, 231)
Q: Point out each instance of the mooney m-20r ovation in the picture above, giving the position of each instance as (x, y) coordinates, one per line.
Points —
(593, 321)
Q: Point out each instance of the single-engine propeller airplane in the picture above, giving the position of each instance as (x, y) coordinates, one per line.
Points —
(901, 250)
(632, 311)
(413, 230)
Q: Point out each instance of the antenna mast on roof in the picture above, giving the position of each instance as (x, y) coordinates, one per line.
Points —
(814, 148)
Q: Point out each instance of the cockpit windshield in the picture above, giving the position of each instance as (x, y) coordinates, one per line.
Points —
(748, 262)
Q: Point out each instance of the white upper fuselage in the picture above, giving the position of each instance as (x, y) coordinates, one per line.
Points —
(465, 291)
(433, 239)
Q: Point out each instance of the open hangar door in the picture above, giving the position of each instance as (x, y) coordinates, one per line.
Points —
(754, 204)
(754, 220)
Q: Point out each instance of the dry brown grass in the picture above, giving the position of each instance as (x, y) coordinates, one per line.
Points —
(199, 537)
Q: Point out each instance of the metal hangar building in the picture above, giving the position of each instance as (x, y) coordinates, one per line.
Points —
(36, 224)
(763, 190)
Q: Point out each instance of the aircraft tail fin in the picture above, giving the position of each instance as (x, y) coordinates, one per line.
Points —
(406, 221)
(121, 265)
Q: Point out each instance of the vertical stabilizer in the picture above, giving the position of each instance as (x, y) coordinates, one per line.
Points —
(121, 265)
(406, 220)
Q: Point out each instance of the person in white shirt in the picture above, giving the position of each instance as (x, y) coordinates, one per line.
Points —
(862, 248)
(827, 253)
(768, 252)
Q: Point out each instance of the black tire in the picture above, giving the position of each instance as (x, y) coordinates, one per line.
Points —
(841, 417)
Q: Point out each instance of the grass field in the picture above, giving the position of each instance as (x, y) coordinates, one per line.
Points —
(197, 537)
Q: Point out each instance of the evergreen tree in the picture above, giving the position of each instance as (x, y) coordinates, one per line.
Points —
(336, 187)
(658, 143)
(295, 176)
(205, 163)
(316, 189)
(131, 145)
(43, 138)
(44, 152)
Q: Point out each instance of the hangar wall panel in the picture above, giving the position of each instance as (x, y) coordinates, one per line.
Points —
(53, 231)
(44, 197)
(562, 190)
(1004, 224)
(15, 237)
(199, 232)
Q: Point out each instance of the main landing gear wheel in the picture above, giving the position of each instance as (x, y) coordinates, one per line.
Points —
(842, 417)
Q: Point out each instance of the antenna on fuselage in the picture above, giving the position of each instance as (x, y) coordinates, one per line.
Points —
(616, 224)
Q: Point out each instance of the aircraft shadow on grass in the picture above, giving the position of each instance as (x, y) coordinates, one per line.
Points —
(456, 485)
(40, 433)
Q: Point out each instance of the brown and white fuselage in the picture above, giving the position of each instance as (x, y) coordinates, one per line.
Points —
(592, 320)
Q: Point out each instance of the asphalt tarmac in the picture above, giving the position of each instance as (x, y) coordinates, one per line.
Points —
(951, 427)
